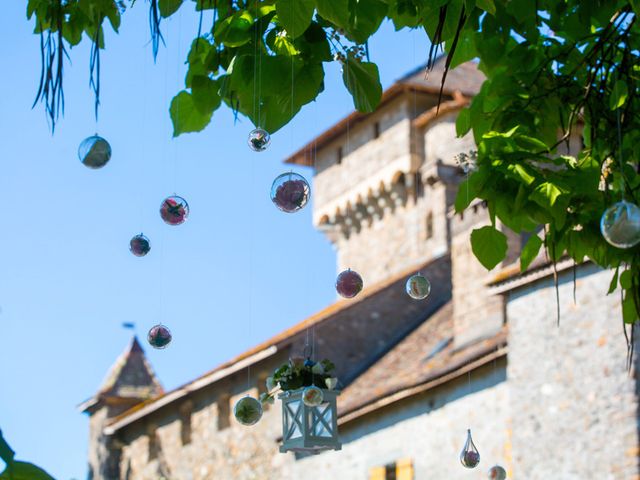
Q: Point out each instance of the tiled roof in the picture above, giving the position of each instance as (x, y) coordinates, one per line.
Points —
(425, 355)
(465, 79)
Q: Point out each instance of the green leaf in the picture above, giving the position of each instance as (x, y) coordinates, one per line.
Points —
(487, 5)
(24, 471)
(365, 19)
(295, 15)
(463, 122)
(235, 31)
(283, 46)
(363, 82)
(489, 246)
(530, 251)
(6, 454)
(205, 94)
(629, 312)
(336, 11)
(546, 194)
(186, 116)
(169, 7)
(619, 95)
(614, 282)
(625, 279)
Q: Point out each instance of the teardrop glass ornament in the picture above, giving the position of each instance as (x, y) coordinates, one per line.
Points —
(349, 283)
(620, 224)
(259, 139)
(290, 192)
(159, 336)
(140, 245)
(247, 411)
(174, 210)
(497, 473)
(418, 287)
(94, 152)
(469, 457)
(312, 396)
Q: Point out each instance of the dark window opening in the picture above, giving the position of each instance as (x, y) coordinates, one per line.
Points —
(339, 156)
(224, 412)
(154, 445)
(376, 130)
(429, 229)
(185, 423)
(390, 472)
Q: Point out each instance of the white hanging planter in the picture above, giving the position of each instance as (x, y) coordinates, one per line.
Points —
(306, 428)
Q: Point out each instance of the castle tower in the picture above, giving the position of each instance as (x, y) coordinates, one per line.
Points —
(384, 181)
(129, 382)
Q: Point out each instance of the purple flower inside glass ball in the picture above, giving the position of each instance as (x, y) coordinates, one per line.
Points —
(349, 283)
(290, 192)
(174, 210)
(259, 139)
(140, 245)
(159, 337)
(470, 459)
(94, 152)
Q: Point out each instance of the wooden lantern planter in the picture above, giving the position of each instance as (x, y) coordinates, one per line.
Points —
(309, 429)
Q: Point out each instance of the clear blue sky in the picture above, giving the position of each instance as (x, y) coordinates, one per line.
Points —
(236, 273)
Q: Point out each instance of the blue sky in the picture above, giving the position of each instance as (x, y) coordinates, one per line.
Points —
(236, 273)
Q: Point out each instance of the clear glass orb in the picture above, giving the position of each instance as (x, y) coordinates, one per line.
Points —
(248, 411)
(140, 245)
(418, 287)
(259, 139)
(469, 457)
(159, 336)
(312, 396)
(620, 224)
(94, 152)
(497, 473)
(290, 192)
(174, 210)
(349, 283)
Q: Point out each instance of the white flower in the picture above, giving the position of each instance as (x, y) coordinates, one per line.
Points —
(331, 382)
(271, 384)
(318, 369)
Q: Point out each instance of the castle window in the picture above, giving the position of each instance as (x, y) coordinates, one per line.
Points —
(224, 412)
(154, 444)
(185, 422)
(429, 226)
(376, 130)
(339, 156)
(398, 470)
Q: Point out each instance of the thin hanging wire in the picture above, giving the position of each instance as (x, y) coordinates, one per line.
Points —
(620, 162)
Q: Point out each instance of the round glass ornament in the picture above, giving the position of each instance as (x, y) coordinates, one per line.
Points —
(469, 457)
(312, 396)
(139, 245)
(497, 473)
(94, 152)
(248, 411)
(620, 224)
(259, 139)
(159, 336)
(418, 287)
(349, 283)
(290, 192)
(174, 210)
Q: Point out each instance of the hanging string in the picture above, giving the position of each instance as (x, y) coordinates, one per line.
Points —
(620, 162)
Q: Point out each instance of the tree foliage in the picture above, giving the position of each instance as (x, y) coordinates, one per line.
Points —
(16, 470)
(559, 72)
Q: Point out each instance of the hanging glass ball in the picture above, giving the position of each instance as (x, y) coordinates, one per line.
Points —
(248, 411)
(159, 336)
(349, 283)
(469, 457)
(620, 224)
(418, 287)
(497, 473)
(312, 396)
(290, 192)
(94, 152)
(259, 139)
(174, 210)
(140, 245)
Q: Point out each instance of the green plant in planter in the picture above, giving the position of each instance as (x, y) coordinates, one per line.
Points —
(299, 373)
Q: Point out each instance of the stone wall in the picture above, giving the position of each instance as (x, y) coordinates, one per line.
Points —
(574, 405)
(430, 429)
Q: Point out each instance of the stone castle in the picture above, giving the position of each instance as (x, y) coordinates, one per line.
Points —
(482, 352)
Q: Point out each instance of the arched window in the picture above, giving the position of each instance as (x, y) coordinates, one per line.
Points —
(429, 226)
